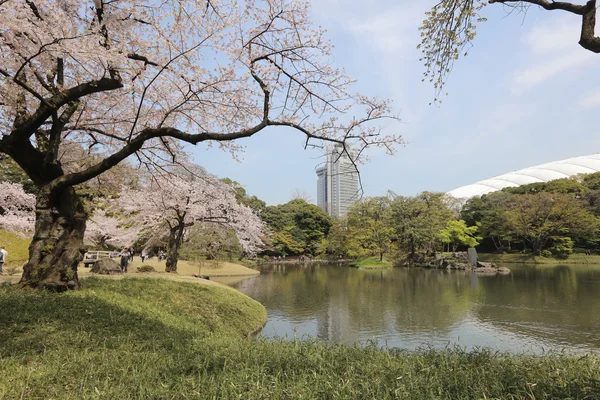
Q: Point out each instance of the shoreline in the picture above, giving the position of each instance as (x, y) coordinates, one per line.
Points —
(575, 259)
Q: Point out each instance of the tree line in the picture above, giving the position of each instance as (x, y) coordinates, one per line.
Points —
(547, 218)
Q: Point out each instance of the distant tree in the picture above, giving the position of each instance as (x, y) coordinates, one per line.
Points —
(301, 225)
(369, 225)
(17, 208)
(338, 238)
(11, 172)
(457, 233)
(572, 185)
(418, 222)
(488, 212)
(539, 217)
(286, 241)
(242, 197)
(301, 194)
(185, 197)
(210, 241)
(591, 181)
(106, 229)
(450, 28)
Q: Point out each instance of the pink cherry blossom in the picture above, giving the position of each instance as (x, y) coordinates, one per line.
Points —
(186, 198)
(17, 208)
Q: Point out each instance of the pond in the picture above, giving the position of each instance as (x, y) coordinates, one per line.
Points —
(534, 309)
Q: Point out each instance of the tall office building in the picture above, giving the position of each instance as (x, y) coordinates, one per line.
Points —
(337, 182)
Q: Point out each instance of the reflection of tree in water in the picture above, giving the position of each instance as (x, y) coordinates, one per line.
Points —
(551, 303)
(350, 304)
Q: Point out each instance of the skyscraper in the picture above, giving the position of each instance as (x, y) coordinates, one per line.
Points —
(337, 182)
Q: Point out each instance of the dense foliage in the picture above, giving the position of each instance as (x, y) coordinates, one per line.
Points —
(544, 218)
(404, 228)
(297, 227)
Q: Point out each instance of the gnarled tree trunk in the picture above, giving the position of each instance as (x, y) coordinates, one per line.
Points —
(175, 240)
(57, 245)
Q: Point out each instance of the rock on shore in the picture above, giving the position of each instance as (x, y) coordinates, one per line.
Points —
(459, 261)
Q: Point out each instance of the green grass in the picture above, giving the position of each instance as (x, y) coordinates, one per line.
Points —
(155, 339)
(17, 247)
(576, 258)
(371, 263)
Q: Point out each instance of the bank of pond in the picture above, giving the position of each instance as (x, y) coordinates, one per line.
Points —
(151, 338)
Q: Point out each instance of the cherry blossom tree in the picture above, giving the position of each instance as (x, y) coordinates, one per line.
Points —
(105, 228)
(176, 202)
(139, 78)
(17, 208)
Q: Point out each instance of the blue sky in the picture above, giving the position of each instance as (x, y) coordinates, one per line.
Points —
(526, 94)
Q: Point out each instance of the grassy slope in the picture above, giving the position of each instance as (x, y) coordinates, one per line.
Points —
(371, 263)
(531, 259)
(17, 247)
(144, 339)
(114, 338)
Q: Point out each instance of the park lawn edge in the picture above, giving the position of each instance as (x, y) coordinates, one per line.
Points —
(371, 263)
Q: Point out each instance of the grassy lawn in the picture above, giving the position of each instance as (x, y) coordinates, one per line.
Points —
(371, 263)
(210, 268)
(114, 339)
(576, 258)
(17, 247)
(154, 339)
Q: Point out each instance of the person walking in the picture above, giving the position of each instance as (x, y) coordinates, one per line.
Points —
(125, 259)
(3, 256)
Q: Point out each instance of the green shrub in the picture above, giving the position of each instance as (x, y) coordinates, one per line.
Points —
(562, 246)
(546, 253)
(146, 268)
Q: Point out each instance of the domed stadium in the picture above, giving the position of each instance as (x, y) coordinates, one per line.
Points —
(541, 173)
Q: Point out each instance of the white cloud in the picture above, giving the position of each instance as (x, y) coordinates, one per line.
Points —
(534, 74)
(552, 48)
(556, 35)
(387, 31)
(591, 99)
(388, 26)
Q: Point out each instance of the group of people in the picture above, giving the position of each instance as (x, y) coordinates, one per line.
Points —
(3, 256)
(127, 256)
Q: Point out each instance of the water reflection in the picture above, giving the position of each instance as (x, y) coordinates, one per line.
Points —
(532, 309)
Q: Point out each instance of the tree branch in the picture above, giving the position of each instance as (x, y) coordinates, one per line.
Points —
(588, 39)
(50, 105)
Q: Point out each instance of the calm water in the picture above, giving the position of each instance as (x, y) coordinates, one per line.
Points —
(534, 309)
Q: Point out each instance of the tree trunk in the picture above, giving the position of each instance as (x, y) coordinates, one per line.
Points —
(57, 245)
(175, 240)
(498, 247)
(380, 256)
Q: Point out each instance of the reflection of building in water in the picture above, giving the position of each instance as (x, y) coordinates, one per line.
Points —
(337, 182)
(334, 323)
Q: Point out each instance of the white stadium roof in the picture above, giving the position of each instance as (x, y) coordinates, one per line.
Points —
(540, 173)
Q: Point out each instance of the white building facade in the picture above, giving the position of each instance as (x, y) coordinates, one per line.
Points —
(337, 182)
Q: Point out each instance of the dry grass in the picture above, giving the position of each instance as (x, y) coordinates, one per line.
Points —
(185, 270)
(210, 268)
